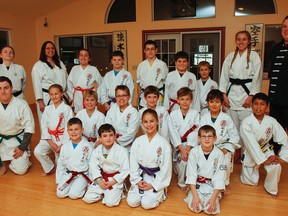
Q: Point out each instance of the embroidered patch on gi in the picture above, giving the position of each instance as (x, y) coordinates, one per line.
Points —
(223, 167)
(190, 82)
(85, 149)
(223, 123)
(268, 131)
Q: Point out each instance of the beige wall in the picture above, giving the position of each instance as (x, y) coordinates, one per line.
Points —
(23, 40)
(88, 17)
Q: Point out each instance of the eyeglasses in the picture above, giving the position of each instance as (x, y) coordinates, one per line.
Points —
(205, 137)
(121, 96)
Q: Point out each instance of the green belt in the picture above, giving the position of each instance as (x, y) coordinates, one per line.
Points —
(11, 136)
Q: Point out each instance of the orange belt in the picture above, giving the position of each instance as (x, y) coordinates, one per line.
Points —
(57, 131)
(78, 88)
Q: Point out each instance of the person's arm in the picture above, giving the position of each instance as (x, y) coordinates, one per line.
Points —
(196, 201)
(18, 151)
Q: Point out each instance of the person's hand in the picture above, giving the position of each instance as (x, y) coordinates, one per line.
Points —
(211, 205)
(226, 101)
(248, 102)
(196, 202)
(184, 154)
(143, 185)
(41, 105)
(225, 151)
(102, 183)
(271, 160)
(17, 153)
(106, 106)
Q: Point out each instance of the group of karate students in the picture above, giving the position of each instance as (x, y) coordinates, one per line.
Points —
(182, 108)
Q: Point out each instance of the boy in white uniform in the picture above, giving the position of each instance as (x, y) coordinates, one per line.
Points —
(82, 77)
(118, 76)
(226, 131)
(205, 85)
(72, 168)
(53, 129)
(206, 170)
(17, 127)
(109, 167)
(151, 71)
(178, 79)
(257, 130)
(124, 117)
(151, 95)
(91, 118)
(183, 126)
(14, 72)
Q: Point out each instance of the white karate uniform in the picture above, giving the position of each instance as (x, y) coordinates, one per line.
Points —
(84, 78)
(237, 94)
(15, 118)
(151, 75)
(116, 161)
(174, 82)
(126, 124)
(153, 154)
(50, 120)
(17, 75)
(213, 168)
(110, 82)
(43, 77)
(77, 160)
(204, 90)
(177, 128)
(227, 137)
(91, 124)
(256, 136)
(162, 113)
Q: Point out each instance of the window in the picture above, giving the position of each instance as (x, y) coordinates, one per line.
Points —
(272, 37)
(121, 11)
(249, 7)
(183, 9)
(4, 39)
(100, 47)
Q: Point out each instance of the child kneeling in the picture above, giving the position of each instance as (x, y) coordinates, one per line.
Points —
(109, 167)
(206, 173)
(72, 169)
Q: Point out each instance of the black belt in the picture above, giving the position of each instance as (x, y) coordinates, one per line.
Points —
(17, 93)
(64, 97)
(241, 82)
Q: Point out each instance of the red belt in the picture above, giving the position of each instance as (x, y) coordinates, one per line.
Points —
(184, 137)
(172, 105)
(74, 174)
(107, 175)
(201, 179)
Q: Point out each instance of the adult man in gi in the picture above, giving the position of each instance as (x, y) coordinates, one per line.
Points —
(17, 126)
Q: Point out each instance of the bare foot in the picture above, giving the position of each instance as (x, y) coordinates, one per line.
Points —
(226, 192)
(3, 169)
(50, 172)
(183, 188)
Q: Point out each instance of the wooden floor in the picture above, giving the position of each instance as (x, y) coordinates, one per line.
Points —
(34, 195)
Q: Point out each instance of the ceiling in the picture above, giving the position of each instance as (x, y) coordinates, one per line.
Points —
(31, 8)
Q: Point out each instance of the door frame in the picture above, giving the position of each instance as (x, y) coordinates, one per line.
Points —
(221, 30)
